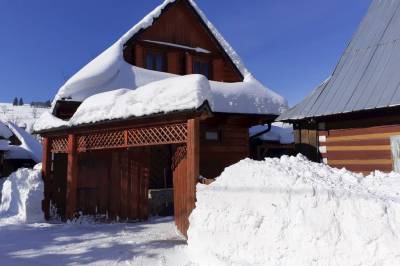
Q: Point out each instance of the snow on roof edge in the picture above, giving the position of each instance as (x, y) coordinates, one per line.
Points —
(93, 69)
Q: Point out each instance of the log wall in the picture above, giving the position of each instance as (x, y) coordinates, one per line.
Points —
(215, 155)
(359, 149)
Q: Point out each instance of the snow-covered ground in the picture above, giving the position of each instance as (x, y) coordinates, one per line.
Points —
(26, 239)
(286, 211)
(144, 244)
(24, 116)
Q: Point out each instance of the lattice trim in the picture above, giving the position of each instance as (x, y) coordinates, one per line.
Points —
(134, 137)
(170, 134)
(59, 145)
(102, 140)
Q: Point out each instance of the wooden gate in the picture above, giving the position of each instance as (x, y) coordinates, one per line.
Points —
(120, 185)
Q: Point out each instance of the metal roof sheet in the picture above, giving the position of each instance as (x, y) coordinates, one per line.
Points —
(368, 73)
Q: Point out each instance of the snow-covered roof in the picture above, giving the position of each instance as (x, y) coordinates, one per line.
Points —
(5, 132)
(29, 148)
(109, 81)
(167, 95)
(280, 132)
(367, 75)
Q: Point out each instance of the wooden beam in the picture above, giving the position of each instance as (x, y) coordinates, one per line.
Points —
(360, 162)
(189, 63)
(46, 176)
(364, 136)
(72, 176)
(359, 148)
(193, 165)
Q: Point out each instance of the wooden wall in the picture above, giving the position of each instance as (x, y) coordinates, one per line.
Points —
(232, 146)
(306, 142)
(110, 182)
(179, 24)
(359, 149)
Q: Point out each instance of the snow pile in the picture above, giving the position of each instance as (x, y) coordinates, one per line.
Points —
(280, 132)
(21, 197)
(290, 211)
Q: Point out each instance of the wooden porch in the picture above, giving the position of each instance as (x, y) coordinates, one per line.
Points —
(106, 171)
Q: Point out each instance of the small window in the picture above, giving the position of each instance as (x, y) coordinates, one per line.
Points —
(212, 135)
(202, 68)
(155, 61)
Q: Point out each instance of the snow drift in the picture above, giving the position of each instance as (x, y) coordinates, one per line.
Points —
(21, 197)
(290, 211)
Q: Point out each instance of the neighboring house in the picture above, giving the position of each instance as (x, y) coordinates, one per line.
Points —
(352, 119)
(17, 149)
(271, 141)
(169, 102)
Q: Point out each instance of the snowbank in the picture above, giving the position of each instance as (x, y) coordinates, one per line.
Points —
(21, 197)
(290, 211)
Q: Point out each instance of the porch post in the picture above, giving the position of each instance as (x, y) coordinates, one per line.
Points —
(46, 176)
(193, 164)
(72, 174)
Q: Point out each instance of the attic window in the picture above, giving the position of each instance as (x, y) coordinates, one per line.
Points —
(155, 60)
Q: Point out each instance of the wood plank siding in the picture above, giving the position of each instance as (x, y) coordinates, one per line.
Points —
(180, 24)
(359, 149)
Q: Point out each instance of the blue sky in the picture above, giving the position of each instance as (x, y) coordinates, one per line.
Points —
(290, 45)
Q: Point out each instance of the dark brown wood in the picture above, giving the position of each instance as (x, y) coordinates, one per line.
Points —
(139, 56)
(72, 174)
(179, 23)
(193, 160)
(179, 167)
(46, 176)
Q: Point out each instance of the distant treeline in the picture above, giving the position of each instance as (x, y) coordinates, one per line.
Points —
(20, 102)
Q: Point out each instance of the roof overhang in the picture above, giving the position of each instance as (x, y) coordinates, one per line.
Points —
(203, 112)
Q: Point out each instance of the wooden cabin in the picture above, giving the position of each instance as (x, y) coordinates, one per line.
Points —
(107, 167)
(352, 119)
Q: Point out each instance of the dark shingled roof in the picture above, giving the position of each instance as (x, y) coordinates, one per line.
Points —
(368, 74)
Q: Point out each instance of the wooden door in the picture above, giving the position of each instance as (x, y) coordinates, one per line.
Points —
(180, 189)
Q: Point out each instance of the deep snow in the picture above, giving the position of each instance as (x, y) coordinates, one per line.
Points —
(286, 211)
(290, 211)
(21, 197)
(25, 238)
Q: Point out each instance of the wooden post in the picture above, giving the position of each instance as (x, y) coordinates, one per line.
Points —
(46, 172)
(72, 175)
(218, 70)
(174, 65)
(139, 56)
(189, 64)
(193, 165)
